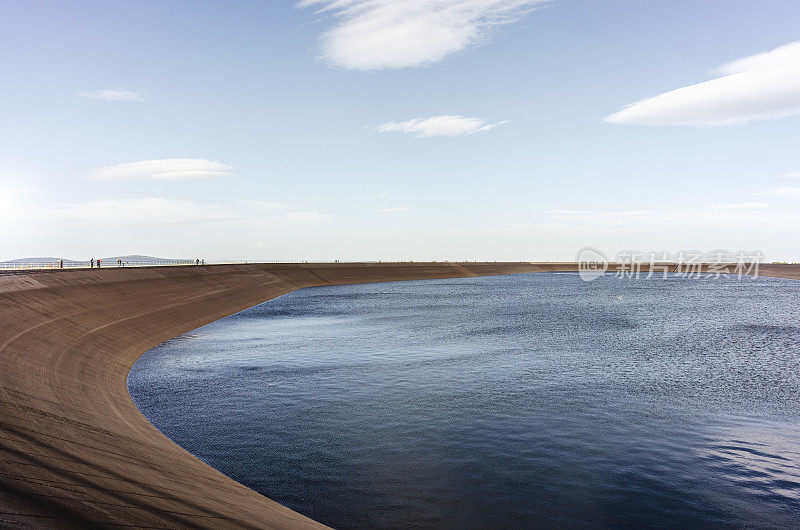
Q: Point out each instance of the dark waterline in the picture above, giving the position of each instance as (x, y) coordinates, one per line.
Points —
(532, 399)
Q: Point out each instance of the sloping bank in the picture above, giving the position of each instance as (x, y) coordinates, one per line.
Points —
(74, 449)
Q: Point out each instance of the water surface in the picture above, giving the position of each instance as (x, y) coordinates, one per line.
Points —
(511, 401)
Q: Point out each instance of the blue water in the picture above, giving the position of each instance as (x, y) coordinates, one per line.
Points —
(512, 401)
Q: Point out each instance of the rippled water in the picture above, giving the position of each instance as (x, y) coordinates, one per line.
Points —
(513, 401)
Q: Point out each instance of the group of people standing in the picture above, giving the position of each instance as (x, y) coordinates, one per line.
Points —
(120, 263)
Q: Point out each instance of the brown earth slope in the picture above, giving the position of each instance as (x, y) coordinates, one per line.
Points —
(74, 449)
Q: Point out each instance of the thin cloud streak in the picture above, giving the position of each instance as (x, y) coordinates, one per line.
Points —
(713, 214)
(446, 125)
(113, 94)
(395, 209)
(169, 169)
(138, 213)
(739, 206)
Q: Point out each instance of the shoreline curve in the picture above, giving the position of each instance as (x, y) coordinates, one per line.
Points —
(75, 451)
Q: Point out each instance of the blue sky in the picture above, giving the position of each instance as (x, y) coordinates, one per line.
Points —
(286, 130)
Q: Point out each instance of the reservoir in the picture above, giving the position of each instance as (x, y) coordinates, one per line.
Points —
(506, 401)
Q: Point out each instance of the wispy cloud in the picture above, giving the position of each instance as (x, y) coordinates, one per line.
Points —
(758, 87)
(439, 126)
(713, 214)
(113, 94)
(374, 34)
(174, 169)
(305, 217)
(739, 206)
(264, 206)
(11, 197)
(395, 209)
(143, 212)
(783, 191)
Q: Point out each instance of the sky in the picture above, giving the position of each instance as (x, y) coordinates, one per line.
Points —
(398, 129)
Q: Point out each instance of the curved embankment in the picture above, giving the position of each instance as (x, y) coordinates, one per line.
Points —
(74, 449)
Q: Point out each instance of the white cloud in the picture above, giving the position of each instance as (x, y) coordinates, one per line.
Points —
(164, 169)
(395, 209)
(792, 175)
(439, 126)
(783, 191)
(758, 87)
(374, 34)
(113, 94)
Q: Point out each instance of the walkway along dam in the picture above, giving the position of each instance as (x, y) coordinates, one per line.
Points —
(75, 452)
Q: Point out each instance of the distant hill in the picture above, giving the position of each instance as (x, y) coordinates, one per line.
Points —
(42, 260)
(25, 260)
(139, 259)
(51, 262)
